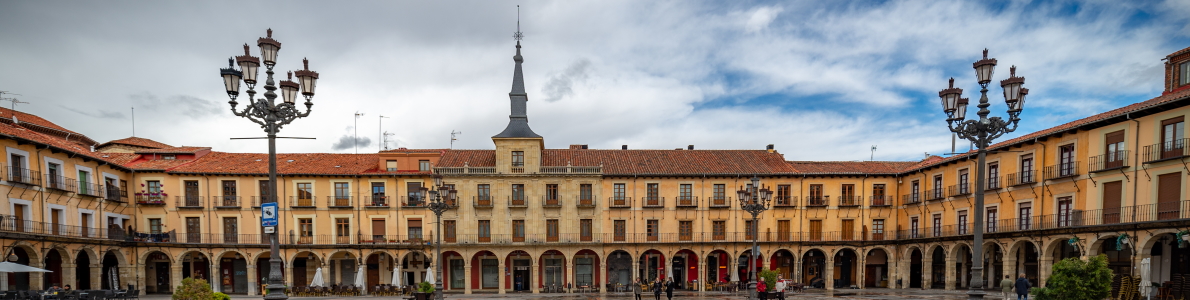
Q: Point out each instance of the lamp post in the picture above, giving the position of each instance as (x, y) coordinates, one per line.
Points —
(754, 200)
(439, 197)
(981, 132)
(271, 116)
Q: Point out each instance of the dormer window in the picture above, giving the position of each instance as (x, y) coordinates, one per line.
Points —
(518, 158)
(1184, 73)
(391, 165)
(423, 165)
(169, 157)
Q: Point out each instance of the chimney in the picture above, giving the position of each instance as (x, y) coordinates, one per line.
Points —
(769, 148)
(624, 147)
(584, 147)
(690, 147)
(578, 147)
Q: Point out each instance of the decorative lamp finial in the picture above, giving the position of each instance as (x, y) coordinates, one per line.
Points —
(306, 63)
(247, 52)
(230, 62)
(269, 33)
(290, 73)
(1012, 71)
(952, 82)
(985, 53)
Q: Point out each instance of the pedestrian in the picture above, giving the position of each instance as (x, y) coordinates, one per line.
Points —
(636, 288)
(657, 289)
(1022, 287)
(760, 289)
(669, 288)
(1006, 286)
(780, 287)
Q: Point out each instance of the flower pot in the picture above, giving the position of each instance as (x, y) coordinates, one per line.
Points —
(423, 296)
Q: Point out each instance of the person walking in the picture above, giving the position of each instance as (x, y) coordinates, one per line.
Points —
(636, 288)
(780, 288)
(1006, 286)
(657, 289)
(1022, 287)
(760, 289)
(669, 288)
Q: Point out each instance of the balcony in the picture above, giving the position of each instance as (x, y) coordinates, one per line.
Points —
(619, 202)
(16, 174)
(302, 201)
(784, 201)
(481, 201)
(653, 202)
(934, 194)
(994, 183)
(517, 170)
(910, 199)
(60, 183)
(1062, 170)
(962, 189)
(515, 202)
(227, 202)
(547, 202)
(686, 201)
(719, 202)
(114, 194)
(257, 200)
(413, 201)
(818, 201)
(150, 198)
(571, 169)
(881, 201)
(1168, 150)
(586, 202)
(188, 201)
(1022, 178)
(339, 201)
(1108, 161)
(90, 190)
(376, 201)
(464, 170)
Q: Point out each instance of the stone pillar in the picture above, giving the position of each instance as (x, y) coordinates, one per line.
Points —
(861, 269)
(668, 266)
(36, 279)
(1043, 269)
(288, 274)
(68, 275)
(636, 270)
(602, 278)
(571, 275)
(533, 275)
(253, 286)
(948, 271)
(797, 270)
(97, 275)
(504, 272)
(467, 276)
(829, 273)
(216, 277)
(175, 276)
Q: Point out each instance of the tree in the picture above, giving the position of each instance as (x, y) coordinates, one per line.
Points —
(193, 289)
(1074, 278)
(770, 279)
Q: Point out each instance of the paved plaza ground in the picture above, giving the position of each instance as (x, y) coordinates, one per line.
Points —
(885, 294)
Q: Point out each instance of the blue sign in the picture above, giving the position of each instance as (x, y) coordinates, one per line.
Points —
(268, 214)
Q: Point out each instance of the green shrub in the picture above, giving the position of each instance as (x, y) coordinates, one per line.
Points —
(220, 296)
(1074, 278)
(193, 289)
(425, 287)
(770, 279)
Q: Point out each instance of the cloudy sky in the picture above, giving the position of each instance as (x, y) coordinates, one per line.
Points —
(822, 80)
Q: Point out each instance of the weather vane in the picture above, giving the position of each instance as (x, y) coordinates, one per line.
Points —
(518, 35)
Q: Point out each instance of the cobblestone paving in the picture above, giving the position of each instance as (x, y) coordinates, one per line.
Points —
(881, 294)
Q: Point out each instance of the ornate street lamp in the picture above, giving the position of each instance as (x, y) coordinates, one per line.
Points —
(754, 200)
(271, 116)
(982, 132)
(442, 198)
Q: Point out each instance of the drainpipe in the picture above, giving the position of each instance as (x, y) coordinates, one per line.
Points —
(1135, 163)
(1041, 199)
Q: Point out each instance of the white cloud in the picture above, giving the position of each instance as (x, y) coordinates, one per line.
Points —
(760, 18)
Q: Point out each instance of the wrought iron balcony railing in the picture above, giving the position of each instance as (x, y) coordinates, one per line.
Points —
(1022, 178)
(1108, 161)
(339, 201)
(1062, 170)
(1167, 150)
(17, 174)
(881, 201)
(619, 202)
(686, 201)
(188, 201)
(61, 183)
(227, 201)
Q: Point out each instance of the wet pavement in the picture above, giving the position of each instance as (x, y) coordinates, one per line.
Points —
(884, 294)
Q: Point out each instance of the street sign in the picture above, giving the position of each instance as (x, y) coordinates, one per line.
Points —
(268, 214)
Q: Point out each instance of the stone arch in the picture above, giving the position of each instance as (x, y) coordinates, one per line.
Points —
(349, 253)
(226, 251)
(1018, 244)
(909, 250)
(1144, 246)
(1052, 246)
(802, 254)
(957, 247)
(394, 256)
(89, 251)
(256, 256)
(186, 252)
(305, 253)
(144, 254)
(1093, 248)
(120, 257)
(63, 253)
(841, 248)
(887, 252)
(32, 252)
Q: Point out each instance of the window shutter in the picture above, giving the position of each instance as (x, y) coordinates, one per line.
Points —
(1169, 187)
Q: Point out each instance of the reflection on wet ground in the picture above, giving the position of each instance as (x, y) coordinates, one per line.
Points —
(883, 294)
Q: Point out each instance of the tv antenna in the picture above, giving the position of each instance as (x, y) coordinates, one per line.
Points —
(355, 137)
(384, 139)
(381, 130)
(873, 158)
(456, 133)
(14, 103)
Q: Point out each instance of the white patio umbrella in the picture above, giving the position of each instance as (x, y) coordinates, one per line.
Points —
(397, 275)
(7, 267)
(430, 276)
(735, 276)
(318, 281)
(1144, 278)
(669, 272)
(359, 278)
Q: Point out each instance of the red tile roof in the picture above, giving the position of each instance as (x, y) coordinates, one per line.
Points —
(19, 132)
(851, 167)
(407, 150)
(175, 150)
(642, 162)
(34, 119)
(136, 141)
(289, 163)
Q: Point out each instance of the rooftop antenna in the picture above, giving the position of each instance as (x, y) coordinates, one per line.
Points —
(14, 103)
(453, 139)
(385, 139)
(355, 139)
(873, 158)
(953, 136)
(133, 120)
(517, 35)
(381, 131)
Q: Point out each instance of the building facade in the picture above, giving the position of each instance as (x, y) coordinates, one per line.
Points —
(526, 218)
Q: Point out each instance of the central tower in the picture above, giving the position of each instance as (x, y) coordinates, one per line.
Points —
(518, 148)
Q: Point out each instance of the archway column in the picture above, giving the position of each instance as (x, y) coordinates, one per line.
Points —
(861, 272)
(504, 270)
(68, 275)
(949, 269)
(467, 276)
(571, 275)
(533, 274)
(175, 275)
(215, 276)
(97, 275)
(829, 273)
(253, 286)
(1043, 269)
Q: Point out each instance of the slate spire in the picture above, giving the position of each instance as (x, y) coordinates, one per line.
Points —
(518, 121)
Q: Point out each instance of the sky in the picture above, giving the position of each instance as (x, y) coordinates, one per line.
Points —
(821, 80)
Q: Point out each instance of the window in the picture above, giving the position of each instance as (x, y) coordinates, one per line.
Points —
(651, 228)
(749, 229)
(962, 220)
(518, 158)
(342, 191)
(993, 175)
(1064, 210)
(342, 230)
(652, 194)
(378, 196)
(54, 174)
(485, 193)
(618, 192)
(390, 165)
(1184, 73)
(1114, 145)
(783, 230)
(878, 195)
(1112, 199)
(518, 194)
(305, 190)
(847, 194)
(816, 195)
(265, 192)
(1173, 133)
(783, 192)
(991, 219)
(937, 225)
(585, 196)
(415, 194)
(584, 228)
(685, 230)
(718, 230)
(620, 228)
(423, 165)
(1066, 160)
(815, 230)
(414, 229)
(915, 192)
(153, 188)
(123, 188)
(84, 182)
(686, 194)
(878, 229)
(847, 230)
(720, 191)
(1026, 168)
(155, 226)
(551, 194)
(1026, 214)
(913, 227)
(448, 230)
(964, 182)
(937, 187)
(551, 230)
(485, 231)
(518, 230)
(306, 230)
(17, 171)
